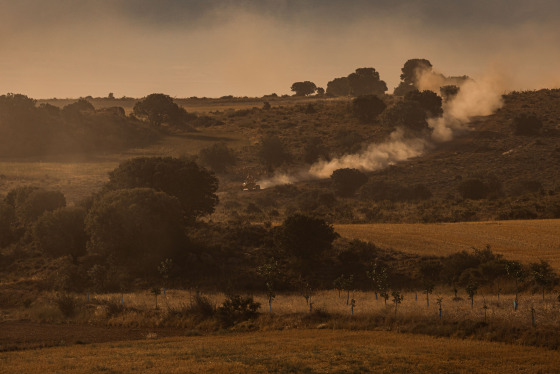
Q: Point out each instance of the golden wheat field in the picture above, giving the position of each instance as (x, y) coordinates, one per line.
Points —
(289, 351)
(526, 241)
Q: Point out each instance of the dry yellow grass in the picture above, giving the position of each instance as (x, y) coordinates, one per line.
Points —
(526, 241)
(413, 306)
(290, 351)
(79, 176)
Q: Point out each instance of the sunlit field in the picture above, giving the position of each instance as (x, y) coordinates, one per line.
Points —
(78, 176)
(291, 351)
(525, 241)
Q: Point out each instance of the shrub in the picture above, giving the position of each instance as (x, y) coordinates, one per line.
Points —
(67, 305)
(237, 309)
(366, 108)
(381, 190)
(428, 100)
(476, 188)
(201, 307)
(347, 181)
(218, 157)
(527, 124)
(273, 152)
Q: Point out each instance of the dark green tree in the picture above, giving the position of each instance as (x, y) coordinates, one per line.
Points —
(428, 100)
(61, 232)
(303, 88)
(272, 152)
(413, 68)
(31, 203)
(403, 88)
(339, 87)
(407, 115)
(270, 273)
(159, 108)
(304, 236)
(366, 81)
(542, 274)
(367, 108)
(516, 272)
(194, 186)
(136, 228)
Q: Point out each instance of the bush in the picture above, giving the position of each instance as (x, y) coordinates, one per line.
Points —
(407, 115)
(476, 188)
(218, 157)
(381, 190)
(428, 100)
(273, 152)
(67, 305)
(347, 181)
(201, 307)
(527, 124)
(237, 309)
(366, 108)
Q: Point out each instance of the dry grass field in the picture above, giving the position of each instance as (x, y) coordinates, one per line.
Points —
(526, 241)
(79, 176)
(290, 351)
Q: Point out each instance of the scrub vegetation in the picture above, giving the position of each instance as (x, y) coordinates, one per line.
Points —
(344, 209)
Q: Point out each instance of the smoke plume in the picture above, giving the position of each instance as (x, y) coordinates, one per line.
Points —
(475, 98)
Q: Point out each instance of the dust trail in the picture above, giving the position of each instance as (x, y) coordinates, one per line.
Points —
(475, 98)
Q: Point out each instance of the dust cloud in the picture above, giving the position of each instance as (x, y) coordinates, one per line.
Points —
(479, 97)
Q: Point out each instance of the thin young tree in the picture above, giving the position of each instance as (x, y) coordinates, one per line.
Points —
(397, 299)
(515, 271)
(378, 276)
(156, 291)
(439, 302)
(471, 289)
(542, 274)
(270, 273)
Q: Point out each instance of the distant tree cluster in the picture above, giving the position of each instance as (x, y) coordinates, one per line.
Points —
(30, 130)
(160, 108)
(364, 81)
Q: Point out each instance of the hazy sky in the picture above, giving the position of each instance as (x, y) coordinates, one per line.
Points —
(72, 48)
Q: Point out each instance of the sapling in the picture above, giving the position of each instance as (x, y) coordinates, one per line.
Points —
(515, 270)
(471, 291)
(485, 307)
(428, 289)
(397, 299)
(378, 276)
(164, 269)
(344, 283)
(385, 296)
(270, 273)
(337, 283)
(543, 275)
(348, 283)
(352, 305)
(439, 302)
(156, 291)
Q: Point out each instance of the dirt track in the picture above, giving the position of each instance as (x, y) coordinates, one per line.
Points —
(28, 335)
